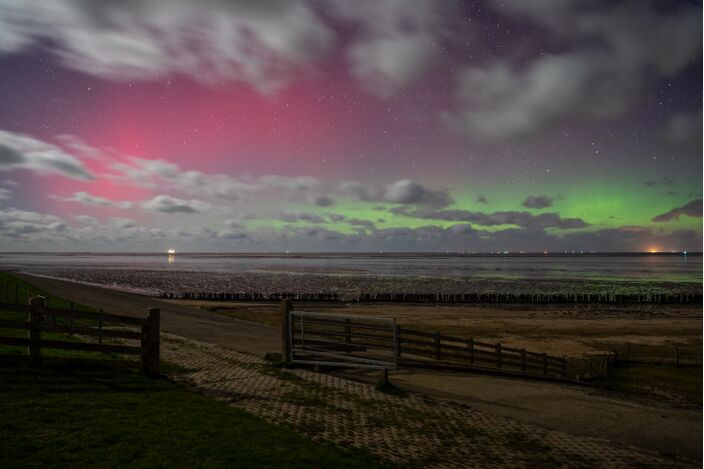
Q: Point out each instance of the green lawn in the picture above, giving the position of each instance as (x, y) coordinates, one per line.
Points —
(104, 417)
(64, 417)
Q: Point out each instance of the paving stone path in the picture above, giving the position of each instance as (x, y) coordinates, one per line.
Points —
(410, 430)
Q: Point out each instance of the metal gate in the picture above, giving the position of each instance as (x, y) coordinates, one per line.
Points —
(340, 340)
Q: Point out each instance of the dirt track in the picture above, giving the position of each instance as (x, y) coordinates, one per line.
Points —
(186, 321)
(568, 409)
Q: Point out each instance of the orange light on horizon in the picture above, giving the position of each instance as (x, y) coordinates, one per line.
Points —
(653, 250)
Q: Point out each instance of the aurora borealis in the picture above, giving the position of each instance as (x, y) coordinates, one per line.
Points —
(328, 125)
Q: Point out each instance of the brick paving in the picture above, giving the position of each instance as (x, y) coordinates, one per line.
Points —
(410, 430)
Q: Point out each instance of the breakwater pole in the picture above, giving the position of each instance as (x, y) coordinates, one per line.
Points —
(449, 298)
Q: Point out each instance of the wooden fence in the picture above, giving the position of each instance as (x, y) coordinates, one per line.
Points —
(448, 298)
(340, 340)
(456, 351)
(41, 318)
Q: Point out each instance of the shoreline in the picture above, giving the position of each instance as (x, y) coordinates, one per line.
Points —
(239, 286)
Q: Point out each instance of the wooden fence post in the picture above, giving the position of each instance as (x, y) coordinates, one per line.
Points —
(470, 345)
(36, 309)
(154, 329)
(286, 308)
(397, 342)
(564, 366)
(524, 365)
(498, 355)
(438, 354)
(628, 351)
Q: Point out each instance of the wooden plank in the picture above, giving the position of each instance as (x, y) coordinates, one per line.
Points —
(10, 324)
(352, 335)
(59, 344)
(340, 323)
(20, 341)
(113, 318)
(92, 331)
(431, 335)
(20, 308)
(357, 346)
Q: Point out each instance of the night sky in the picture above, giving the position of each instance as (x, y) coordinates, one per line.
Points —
(399, 125)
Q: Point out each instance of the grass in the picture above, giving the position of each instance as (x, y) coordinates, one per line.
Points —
(103, 417)
(663, 381)
(60, 417)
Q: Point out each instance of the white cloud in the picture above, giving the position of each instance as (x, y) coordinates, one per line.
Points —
(167, 204)
(398, 43)
(259, 43)
(18, 151)
(93, 200)
(621, 49)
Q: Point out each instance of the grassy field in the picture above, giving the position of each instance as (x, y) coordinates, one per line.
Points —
(103, 417)
(108, 418)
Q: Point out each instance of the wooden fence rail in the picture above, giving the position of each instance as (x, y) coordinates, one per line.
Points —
(41, 318)
(365, 341)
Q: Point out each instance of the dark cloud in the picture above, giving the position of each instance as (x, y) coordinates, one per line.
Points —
(522, 219)
(366, 224)
(404, 192)
(538, 201)
(298, 217)
(482, 200)
(692, 209)
(663, 181)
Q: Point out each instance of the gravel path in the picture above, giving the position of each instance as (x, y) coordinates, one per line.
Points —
(412, 430)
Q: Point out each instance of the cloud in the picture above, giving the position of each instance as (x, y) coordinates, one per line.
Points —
(323, 201)
(663, 181)
(403, 191)
(167, 204)
(260, 43)
(364, 224)
(482, 200)
(336, 217)
(683, 132)
(18, 151)
(537, 201)
(522, 219)
(398, 42)
(300, 217)
(620, 50)
(692, 209)
(5, 194)
(92, 200)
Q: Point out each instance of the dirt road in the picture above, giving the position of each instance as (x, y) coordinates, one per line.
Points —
(186, 321)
